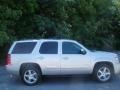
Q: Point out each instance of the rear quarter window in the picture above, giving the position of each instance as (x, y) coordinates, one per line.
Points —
(23, 47)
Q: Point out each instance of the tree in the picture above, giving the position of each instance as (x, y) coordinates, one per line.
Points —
(94, 23)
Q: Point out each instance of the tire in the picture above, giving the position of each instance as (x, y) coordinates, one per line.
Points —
(30, 75)
(103, 72)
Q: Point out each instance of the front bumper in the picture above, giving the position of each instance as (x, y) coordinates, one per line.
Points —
(117, 68)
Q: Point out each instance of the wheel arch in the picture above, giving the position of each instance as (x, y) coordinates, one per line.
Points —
(104, 62)
(23, 65)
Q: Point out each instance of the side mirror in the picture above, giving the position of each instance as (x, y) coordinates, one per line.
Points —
(82, 51)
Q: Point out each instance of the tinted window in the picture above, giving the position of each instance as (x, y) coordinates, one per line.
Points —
(70, 48)
(24, 48)
(49, 48)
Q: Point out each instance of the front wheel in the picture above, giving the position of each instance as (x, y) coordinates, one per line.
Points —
(103, 72)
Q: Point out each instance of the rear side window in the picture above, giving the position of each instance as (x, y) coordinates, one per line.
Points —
(49, 48)
(23, 47)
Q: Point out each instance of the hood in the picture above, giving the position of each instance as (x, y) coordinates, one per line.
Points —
(104, 54)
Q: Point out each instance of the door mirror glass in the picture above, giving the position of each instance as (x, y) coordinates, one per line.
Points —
(82, 51)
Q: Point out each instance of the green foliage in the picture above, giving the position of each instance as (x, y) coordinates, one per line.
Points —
(3, 37)
(92, 22)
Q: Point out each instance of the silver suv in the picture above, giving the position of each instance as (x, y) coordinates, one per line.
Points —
(31, 59)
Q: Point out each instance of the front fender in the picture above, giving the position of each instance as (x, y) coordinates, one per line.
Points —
(103, 59)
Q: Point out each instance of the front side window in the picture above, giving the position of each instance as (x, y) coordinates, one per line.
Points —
(23, 47)
(70, 48)
(49, 48)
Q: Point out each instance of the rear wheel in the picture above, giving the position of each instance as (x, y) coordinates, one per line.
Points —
(103, 72)
(30, 75)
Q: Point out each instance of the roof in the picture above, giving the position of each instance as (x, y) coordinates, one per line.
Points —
(34, 40)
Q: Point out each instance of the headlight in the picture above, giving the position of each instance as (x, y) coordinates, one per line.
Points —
(117, 57)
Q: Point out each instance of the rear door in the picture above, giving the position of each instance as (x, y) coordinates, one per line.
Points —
(49, 55)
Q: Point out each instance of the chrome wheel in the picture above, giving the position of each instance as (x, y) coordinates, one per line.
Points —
(30, 76)
(104, 74)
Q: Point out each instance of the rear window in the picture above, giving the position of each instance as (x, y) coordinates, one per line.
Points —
(23, 47)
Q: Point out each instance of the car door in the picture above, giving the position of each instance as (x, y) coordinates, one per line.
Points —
(73, 60)
(50, 59)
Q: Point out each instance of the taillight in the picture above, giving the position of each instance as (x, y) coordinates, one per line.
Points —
(8, 59)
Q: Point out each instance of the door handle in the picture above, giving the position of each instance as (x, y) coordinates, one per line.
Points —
(65, 58)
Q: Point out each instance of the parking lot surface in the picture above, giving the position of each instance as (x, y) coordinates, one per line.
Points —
(9, 82)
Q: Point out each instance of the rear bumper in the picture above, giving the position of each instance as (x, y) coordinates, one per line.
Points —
(12, 69)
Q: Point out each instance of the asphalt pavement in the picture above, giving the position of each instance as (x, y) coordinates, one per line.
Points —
(9, 82)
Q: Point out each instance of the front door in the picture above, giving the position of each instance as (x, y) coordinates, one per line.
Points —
(73, 61)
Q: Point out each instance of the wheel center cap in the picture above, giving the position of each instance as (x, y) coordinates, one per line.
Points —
(31, 76)
(103, 74)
